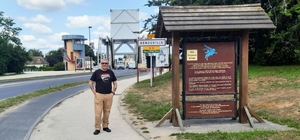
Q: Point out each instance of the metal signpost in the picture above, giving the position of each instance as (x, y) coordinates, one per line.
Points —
(151, 46)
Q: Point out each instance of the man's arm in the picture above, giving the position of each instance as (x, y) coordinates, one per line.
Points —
(115, 85)
(91, 85)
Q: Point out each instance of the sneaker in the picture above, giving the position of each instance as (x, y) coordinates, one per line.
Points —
(106, 129)
(96, 132)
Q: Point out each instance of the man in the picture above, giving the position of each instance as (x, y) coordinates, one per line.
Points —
(103, 95)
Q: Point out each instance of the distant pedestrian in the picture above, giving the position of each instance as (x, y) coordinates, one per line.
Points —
(103, 95)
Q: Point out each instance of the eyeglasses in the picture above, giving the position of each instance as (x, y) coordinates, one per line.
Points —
(104, 63)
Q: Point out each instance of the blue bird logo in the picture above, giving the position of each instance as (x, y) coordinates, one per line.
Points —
(209, 51)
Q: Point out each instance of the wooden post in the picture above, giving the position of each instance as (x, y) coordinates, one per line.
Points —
(243, 81)
(175, 76)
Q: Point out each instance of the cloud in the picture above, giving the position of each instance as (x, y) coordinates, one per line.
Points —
(47, 5)
(38, 28)
(75, 1)
(42, 5)
(156, 10)
(57, 37)
(85, 21)
(38, 19)
(50, 43)
(27, 38)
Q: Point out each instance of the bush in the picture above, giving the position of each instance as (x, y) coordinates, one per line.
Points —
(59, 66)
(46, 68)
(30, 68)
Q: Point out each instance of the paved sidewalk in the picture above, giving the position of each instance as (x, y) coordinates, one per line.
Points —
(73, 119)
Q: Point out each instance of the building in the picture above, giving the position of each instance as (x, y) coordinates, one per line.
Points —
(73, 52)
(37, 61)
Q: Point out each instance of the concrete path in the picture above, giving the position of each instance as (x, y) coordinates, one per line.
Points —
(73, 119)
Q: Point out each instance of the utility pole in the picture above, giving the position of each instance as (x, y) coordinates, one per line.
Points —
(90, 48)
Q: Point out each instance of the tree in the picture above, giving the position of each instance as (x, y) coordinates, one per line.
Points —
(60, 66)
(4, 51)
(278, 47)
(53, 57)
(13, 56)
(35, 52)
(90, 52)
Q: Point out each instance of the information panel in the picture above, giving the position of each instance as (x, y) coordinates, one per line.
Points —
(210, 109)
(209, 67)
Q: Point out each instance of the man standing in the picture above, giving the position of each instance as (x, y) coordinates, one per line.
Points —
(103, 95)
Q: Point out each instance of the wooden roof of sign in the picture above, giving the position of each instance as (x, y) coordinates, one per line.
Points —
(210, 20)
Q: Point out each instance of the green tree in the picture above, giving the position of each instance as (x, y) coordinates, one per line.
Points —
(60, 66)
(53, 57)
(35, 52)
(90, 52)
(5, 54)
(267, 47)
(13, 56)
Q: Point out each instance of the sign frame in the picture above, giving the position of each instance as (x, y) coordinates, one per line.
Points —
(194, 57)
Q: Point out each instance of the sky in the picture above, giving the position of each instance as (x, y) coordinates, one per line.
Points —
(43, 22)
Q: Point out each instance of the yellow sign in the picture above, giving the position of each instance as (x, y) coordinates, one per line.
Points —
(151, 48)
(191, 55)
(150, 35)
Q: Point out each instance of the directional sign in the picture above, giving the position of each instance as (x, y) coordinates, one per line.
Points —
(152, 42)
(151, 49)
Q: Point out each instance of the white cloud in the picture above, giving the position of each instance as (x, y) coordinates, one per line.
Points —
(27, 38)
(57, 38)
(42, 5)
(156, 10)
(75, 1)
(45, 45)
(38, 19)
(47, 5)
(86, 21)
(38, 28)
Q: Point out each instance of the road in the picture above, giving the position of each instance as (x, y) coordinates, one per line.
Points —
(20, 87)
(17, 123)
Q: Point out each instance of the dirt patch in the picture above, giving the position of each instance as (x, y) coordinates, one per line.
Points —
(264, 93)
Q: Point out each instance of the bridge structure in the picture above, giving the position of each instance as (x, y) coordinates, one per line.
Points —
(124, 35)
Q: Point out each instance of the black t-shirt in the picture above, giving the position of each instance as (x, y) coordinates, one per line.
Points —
(103, 80)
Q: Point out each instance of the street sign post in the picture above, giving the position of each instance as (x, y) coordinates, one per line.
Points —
(152, 42)
(150, 46)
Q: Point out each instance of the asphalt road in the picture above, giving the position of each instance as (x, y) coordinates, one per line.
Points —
(18, 123)
(20, 87)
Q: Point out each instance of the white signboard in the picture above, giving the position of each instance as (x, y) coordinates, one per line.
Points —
(152, 42)
(162, 58)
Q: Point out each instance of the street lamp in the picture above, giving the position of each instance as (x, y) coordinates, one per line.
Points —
(90, 48)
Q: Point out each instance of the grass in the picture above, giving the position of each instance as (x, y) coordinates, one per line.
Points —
(147, 109)
(288, 72)
(152, 110)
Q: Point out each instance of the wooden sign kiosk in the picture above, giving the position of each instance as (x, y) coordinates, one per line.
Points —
(233, 21)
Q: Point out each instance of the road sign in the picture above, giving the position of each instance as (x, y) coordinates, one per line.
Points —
(151, 49)
(152, 42)
(150, 35)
